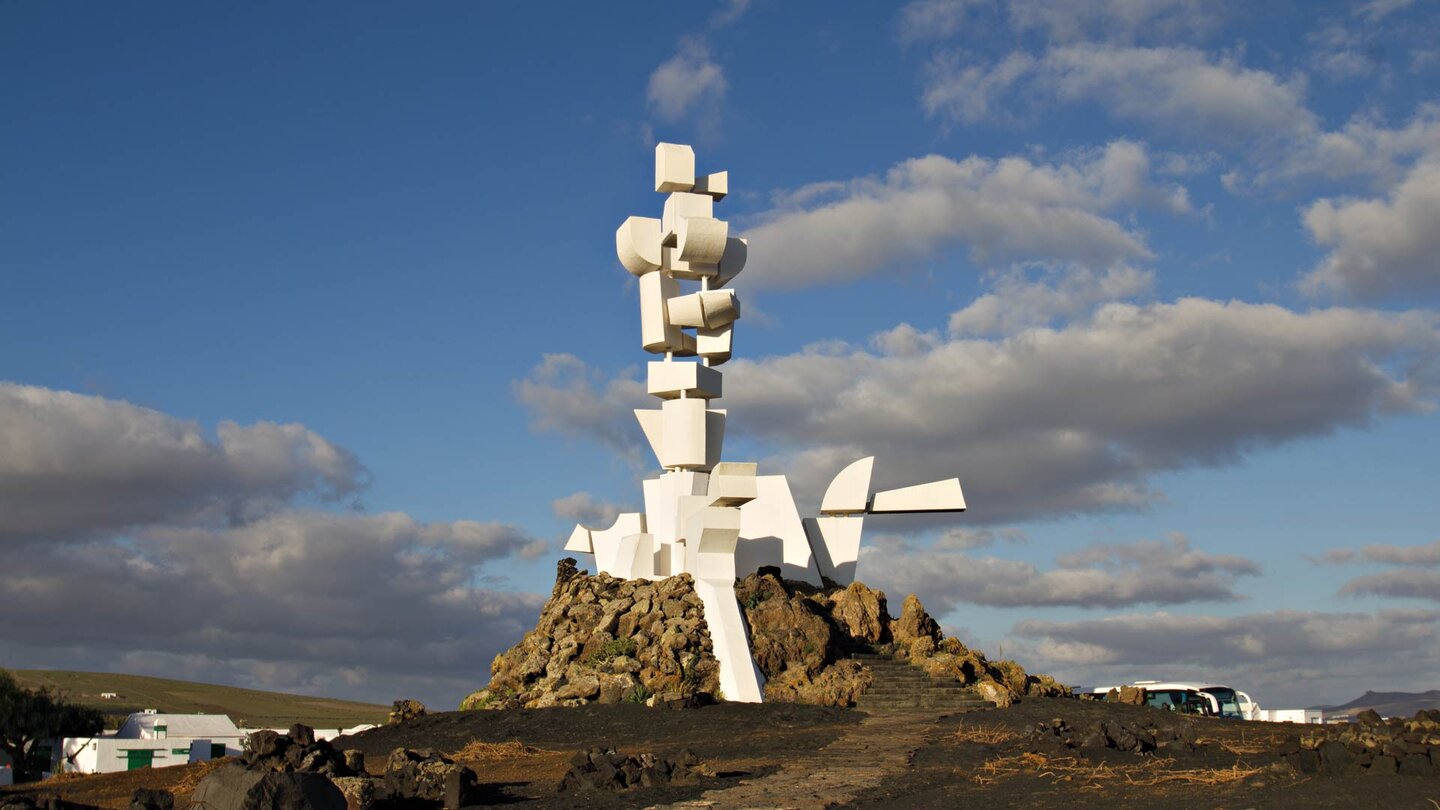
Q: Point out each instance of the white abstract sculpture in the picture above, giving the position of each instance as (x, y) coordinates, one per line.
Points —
(715, 520)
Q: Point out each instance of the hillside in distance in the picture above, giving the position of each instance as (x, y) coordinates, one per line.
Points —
(249, 708)
(1388, 704)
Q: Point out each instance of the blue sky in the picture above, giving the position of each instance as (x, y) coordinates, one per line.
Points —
(313, 343)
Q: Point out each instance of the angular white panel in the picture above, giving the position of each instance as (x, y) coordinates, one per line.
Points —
(936, 496)
(717, 185)
(700, 240)
(674, 167)
(849, 492)
(771, 533)
(740, 679)
(683, 433)
(669, 380)
(656, 332)
(710, 537)
(682, 205)
(736, 251)
(607, 542)
(653, 426)
(836, 541)
(715, 345)
(580, 541)
(714, 436)
(662, 499)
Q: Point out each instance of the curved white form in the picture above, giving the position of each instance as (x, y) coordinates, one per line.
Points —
(637, 244)
(849, 490)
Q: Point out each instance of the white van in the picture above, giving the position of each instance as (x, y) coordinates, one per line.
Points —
(1209, 699)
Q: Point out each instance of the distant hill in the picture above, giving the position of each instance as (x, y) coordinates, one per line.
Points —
(1388, 704)
(249, 708)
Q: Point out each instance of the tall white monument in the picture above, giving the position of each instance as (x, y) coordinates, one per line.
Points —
(711, 519)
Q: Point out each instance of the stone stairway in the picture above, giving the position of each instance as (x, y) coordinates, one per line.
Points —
(901, 687)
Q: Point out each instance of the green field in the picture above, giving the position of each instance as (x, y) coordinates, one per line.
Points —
(249, 708)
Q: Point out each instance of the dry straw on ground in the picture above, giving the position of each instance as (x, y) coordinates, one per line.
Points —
(480, 751)
(1144, 773)
(985, 735)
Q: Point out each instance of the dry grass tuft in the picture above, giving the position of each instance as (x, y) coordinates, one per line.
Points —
(480, 751)
(1262, 743)
(985, 735)
(1143, 773)
(192, 777)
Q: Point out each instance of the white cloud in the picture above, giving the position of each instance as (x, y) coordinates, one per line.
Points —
(1004, 210)
(688, 83)
(1364, 148)
(1116, 20)
(1427, 555)
(72, 464)
(1050, 421)
(1396, 585)
(582, 508)
(933, 19)
(1374, 10)
(1380, 246)
(1018, 303)
(145, 541)
(1293, 657)
(1098, 576)
(1182, 90)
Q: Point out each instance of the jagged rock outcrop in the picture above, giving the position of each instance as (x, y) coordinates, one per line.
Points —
(801, 637)
(607, 640)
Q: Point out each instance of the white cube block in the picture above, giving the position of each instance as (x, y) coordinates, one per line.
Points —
(683, 430)
(657, 334)
(674, 167)
(687, 310)
(669, 380)
(683, 205)
(717, 185)
(672, 265)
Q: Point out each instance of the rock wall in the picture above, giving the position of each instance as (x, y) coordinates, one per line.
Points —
(801, 637)
(611, 640)
(608, 640)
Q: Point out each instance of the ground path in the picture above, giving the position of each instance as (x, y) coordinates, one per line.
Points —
(878, 747)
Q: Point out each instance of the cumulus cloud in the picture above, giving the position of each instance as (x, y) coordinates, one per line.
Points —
(1004, 210)
(1116, 20)
(72, 465)
(1183, 90)
(1112, 575)
(690, 82)
(1396, 585)
(1017, 303)
(1380, 247)
(306, 594)
(563, 394)
(933, 19)
(582, 508)
(1294, 657)
(1364, 148)
(1426, 555)
(1052, 421)
(198, 556)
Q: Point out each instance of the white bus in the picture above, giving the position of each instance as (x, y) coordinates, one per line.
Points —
(1209, 699)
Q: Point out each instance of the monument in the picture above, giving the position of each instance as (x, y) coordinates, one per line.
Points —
(709, 518)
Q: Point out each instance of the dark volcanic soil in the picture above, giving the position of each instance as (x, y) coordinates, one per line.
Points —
(989, 759)
(984, 759)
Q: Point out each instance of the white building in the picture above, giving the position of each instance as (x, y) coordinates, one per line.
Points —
(1292, 715)
(149, 739)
